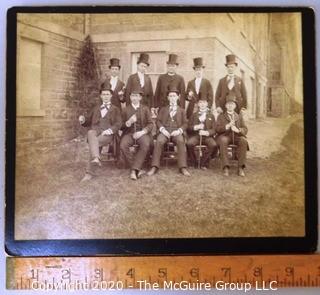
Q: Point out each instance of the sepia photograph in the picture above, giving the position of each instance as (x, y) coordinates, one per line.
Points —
(159, 125)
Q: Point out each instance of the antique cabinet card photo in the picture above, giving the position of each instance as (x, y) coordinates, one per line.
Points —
(148, 130)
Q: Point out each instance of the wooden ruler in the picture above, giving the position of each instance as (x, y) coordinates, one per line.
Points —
(262, 272)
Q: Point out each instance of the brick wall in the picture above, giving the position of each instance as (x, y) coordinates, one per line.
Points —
(60, 58)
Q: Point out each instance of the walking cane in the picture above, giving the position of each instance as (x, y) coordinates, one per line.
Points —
(200, 152)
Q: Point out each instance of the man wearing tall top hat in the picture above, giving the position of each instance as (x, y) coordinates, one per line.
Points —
(172, 125)
(117, 86)
(170, 78)
(140, 80)
(104, 121)
(201, 129)
(231, 129)
(233, 85)
(199, 86)
(136, 125)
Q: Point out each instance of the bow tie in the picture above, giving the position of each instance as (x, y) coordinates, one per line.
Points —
(105, 106)
(230, 76)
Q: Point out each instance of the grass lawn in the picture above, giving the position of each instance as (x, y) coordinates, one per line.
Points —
(51, 203)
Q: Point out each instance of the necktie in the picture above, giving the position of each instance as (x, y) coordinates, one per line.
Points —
(230, 82)
(173, 111)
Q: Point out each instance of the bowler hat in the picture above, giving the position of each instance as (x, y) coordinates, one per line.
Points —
(105, 86)
(136, 90)
(231, 98)
(231, 59)
(114, 62)
(198, 62)
(173, 88)
(202, 97)
(144, 57)
(173, 59)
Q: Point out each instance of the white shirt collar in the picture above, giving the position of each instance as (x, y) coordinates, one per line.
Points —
(135, 106)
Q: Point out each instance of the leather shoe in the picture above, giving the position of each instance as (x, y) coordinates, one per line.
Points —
(241, 172)
(152, 171)
(96, 162)
(226, 171)
(204, 168)
(185, 172)
(133, 175)
(86, 177)
(141, 172)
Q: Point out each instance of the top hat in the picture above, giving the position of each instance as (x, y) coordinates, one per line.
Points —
(105, 86)
(231, 98)
(173, 59)
(136, 90)
(173, 88)
(231, 59)
(144, 57)
(198, 63)
(114, 62)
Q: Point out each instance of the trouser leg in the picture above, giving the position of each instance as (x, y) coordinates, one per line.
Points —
(191, 143)
(223, 142)
(211, 148)
(182, 153)
(144, 143)
(157, 150)
(95, 142)
(126, 142)
(242, 148)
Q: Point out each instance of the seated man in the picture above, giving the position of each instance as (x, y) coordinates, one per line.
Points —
(172, 123)
(201, 128)
(231, 129)
(104, 121)
(137, 126)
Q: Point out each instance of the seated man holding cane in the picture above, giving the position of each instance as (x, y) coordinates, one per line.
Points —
(104, 121)
(137, 126)
(201, 128)
(172, 123)
(231, 129)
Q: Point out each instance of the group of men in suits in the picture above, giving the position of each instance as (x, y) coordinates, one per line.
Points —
(183, 116)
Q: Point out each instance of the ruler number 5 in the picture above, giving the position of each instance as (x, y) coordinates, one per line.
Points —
(162, 273)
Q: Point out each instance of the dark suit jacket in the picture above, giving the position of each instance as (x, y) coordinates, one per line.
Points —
(164, 117)
(112, 120)
(116, 99)
(164, 80)
(223, 120)
(204, 91)
(145, 115)
(133, 83)
(239, 90)
(209, 124)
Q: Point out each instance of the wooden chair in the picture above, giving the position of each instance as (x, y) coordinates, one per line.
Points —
(169, 152)
(110, 152)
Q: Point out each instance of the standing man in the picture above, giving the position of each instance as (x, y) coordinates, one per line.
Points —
(104, 121)
(140, 80)
(170, 78)
(201, 128)
(233, 85)
(117, 86)
(232, 129)
(198, 87)
(137, 126)
(172, 124)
